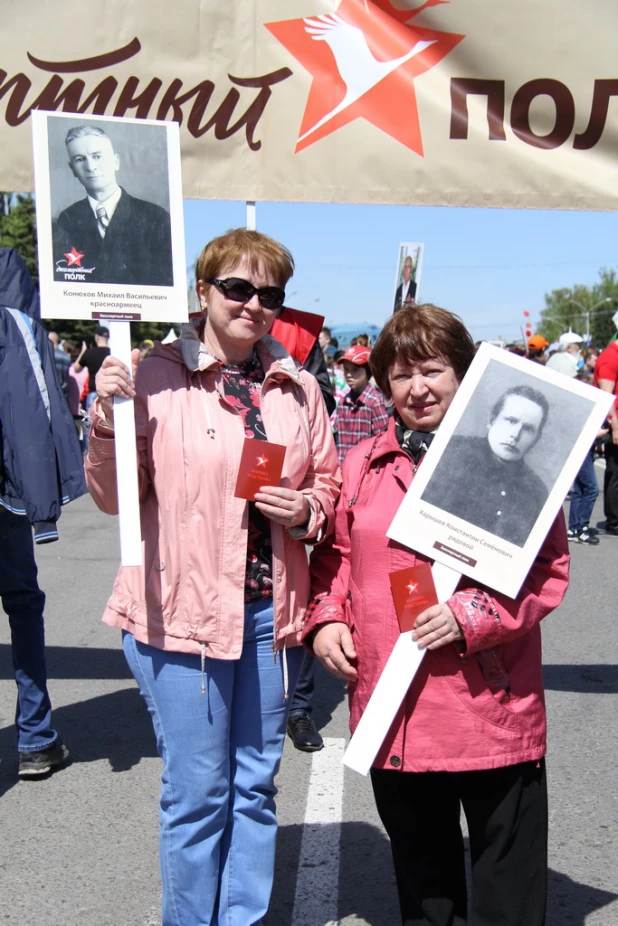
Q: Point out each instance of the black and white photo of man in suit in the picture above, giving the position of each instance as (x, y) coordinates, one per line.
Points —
(125, 239)
(494, 487)
(406, 291)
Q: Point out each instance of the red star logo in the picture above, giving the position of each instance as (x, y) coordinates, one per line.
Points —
(74, 258)
(364, 59)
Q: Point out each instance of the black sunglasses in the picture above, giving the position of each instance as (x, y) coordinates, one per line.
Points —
(271, 297)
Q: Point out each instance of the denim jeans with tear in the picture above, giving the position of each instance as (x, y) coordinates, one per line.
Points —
(221, 751)
(23, 601)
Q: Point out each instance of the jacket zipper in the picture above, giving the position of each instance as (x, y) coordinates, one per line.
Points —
(203, 664)
(222, 396)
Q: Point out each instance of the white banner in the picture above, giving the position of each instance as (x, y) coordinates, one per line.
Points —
(468, 102)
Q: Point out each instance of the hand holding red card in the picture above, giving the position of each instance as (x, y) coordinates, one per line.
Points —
(413, 592)
(261, 464)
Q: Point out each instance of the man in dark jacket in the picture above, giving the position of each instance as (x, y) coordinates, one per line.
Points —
(298, 332)
(41, 469)
(406, 291)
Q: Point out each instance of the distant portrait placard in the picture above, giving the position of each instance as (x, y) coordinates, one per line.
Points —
(499, 468)
(109, 218)
(408, 274)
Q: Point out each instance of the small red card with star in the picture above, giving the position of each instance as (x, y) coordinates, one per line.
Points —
(413, 590)
(261, 464)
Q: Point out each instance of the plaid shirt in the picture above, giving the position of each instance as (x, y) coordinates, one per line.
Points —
(358, 418)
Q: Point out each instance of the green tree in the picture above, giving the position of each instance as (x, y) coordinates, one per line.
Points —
(83, 329)
(155, 331)
(75, 330)
(18, 228)
(584, 309)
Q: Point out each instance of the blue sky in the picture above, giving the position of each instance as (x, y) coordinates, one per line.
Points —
(488, 265)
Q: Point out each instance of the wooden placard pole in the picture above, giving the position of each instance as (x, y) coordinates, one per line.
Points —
(251, 216)
(142, 282)
(393, 684)
(126, 455)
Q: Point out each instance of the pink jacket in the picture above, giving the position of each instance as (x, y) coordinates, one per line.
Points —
(478, 707)
(188, 595)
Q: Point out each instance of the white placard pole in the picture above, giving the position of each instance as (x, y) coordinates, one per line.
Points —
(251, 216)
(126, 455)
(393, 684)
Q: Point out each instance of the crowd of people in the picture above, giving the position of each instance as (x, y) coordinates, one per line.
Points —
(302, 571)
(597, 367)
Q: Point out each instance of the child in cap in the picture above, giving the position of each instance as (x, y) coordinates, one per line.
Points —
(362, 412)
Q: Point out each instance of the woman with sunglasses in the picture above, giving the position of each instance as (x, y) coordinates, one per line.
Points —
(211, 621)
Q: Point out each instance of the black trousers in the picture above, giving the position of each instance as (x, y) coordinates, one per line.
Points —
(610, 487)
(506, 811)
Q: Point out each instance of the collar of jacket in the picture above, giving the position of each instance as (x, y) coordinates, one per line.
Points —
(273, 356)
(385, 444)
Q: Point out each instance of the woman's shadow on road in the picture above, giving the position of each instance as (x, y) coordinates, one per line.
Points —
(116, 727)
(113, 726)
(367, 891)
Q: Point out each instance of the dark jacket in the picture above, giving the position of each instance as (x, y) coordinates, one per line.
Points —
(17, 288)
(298, 332)
(316, 365)
(41, 461)
(136, 250)
(399, 294)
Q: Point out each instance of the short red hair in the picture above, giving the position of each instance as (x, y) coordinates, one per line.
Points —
(225, 252)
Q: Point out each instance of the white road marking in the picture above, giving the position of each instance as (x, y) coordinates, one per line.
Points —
(317, 882)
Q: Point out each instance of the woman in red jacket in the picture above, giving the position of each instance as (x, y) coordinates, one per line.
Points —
(471, 731)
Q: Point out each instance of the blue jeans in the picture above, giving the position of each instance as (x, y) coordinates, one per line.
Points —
(23, 601)
(583, 496)
(221, 751)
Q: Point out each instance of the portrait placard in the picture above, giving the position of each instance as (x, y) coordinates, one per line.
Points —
(408, 274)
(109, 218)
(499, 468)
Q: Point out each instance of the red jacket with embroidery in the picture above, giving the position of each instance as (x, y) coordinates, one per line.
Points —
(478, 707)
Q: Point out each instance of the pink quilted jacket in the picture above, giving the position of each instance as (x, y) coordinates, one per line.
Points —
(478, 707)
(188, 594)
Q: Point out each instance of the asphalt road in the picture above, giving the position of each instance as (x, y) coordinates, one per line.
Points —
(80, 848)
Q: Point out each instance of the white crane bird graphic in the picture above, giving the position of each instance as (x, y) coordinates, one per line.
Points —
(358, 68)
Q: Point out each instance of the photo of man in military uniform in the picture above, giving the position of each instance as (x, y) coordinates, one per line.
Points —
(110, 235)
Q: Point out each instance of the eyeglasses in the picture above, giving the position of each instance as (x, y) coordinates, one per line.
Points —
(271, 297)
